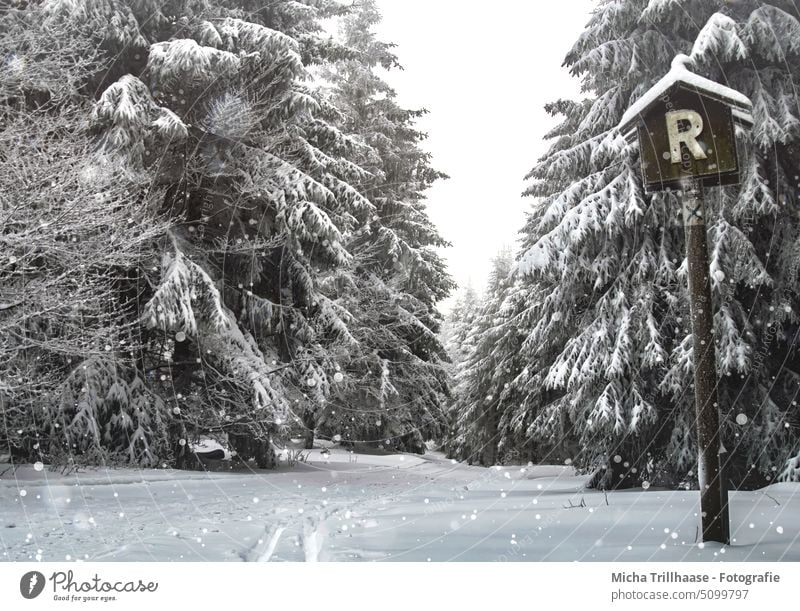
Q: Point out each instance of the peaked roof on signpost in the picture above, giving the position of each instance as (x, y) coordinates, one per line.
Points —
(679, 74)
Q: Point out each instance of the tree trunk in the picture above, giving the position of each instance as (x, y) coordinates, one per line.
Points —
(490, 451)
(309, 421)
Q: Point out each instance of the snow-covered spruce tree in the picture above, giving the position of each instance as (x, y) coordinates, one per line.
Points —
(243, 330)
(393, 379)
(608, 345)
(71, 237)
(457, 338)
(210, 102)
(491, 345)
(484, 340)
(458, 324)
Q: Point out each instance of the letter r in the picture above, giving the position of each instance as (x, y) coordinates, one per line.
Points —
(687, 136)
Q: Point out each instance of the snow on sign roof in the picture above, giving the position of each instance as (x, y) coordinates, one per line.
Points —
(680, 74)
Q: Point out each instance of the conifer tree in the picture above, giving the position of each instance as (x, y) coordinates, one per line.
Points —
(258, 275)
(72, 237)
(457, 339)
(483, 373)
(394, 379)
(607, 345)
(210, 103)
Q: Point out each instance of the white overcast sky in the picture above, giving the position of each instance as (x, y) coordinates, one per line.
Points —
(484, 70)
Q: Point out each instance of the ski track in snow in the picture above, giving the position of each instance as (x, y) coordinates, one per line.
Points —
(272, 538)
(313, 539)
(378, 508)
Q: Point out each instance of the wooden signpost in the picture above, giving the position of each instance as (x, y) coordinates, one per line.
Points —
(686, 131)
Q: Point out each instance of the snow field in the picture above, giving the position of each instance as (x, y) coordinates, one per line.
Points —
(345, 507)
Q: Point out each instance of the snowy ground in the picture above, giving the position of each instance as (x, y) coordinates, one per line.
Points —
(364, 508)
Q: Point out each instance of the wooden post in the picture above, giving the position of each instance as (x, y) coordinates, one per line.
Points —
(687, 140)
(713, 491)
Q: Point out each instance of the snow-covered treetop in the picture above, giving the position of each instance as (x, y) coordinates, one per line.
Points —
(680, 74)
(237, 34)
(184, 61)
(128, 102)
(112, 20)
(274, 49)
(772, 33)
(718, 41)
(127, 116)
